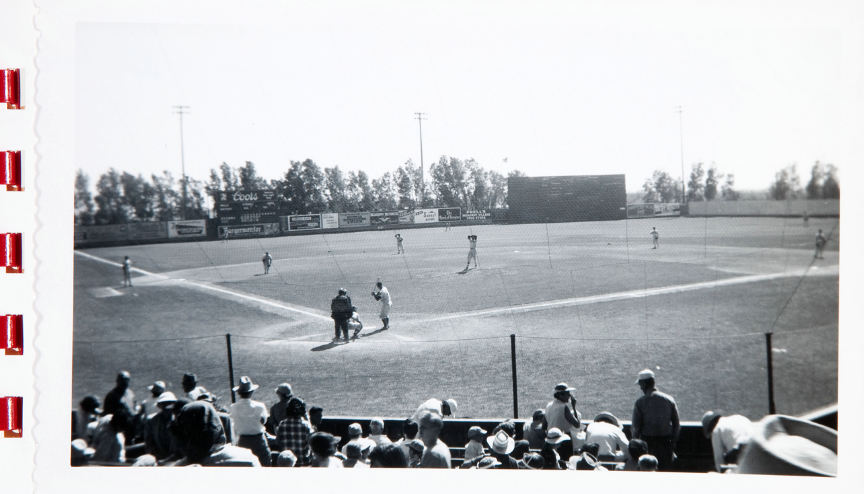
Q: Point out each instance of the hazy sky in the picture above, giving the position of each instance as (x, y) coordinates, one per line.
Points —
(553, 87)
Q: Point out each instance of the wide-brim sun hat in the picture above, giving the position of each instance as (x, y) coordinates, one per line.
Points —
(555, 436)
(501, 443)
(609, 417)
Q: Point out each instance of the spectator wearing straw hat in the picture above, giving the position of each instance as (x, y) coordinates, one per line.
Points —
(655, 420)
(535, 432)
(783, 445)
(728, 435)
(500, 447)
(443, 408)
(531, 461)
(323, 446)
(190, 386)
(474, 447)
(294, 431)
(277, 411)
(248, 417)
(549, 452)
(606, 431)
(436, 454)
(561, 413)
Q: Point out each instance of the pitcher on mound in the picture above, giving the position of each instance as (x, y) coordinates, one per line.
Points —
(472, 251)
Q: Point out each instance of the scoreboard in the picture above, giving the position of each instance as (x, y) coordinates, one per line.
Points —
(247, 207)
(566, 198)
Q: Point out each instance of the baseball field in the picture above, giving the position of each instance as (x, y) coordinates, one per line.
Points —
(590, 304)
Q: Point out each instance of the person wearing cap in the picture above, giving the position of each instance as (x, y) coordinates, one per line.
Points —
(355, 436)
(248, 417)
(376, 432)
(535, 432)
(561, 413)
(436, 454)
(415, 450)
(549, 452)
(382, 294)
(191, 388)
(277, 411)
(354, 456)
(655, 420)
(293, 432)
(728, 435)
(148, 406)
(85, 419)
(474, 447)
(445, 408)
(341, 309)
(323, 446)
(202, 439)
(158, 439)
(606, 431)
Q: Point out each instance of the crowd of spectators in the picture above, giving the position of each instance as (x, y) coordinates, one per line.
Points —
(194, 429)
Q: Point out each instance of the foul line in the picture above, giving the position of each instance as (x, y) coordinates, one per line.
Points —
(626, 295)
(224, 291)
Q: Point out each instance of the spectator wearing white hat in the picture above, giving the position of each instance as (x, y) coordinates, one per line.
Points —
(655, 420)
(561, 413)
(500, 447)
(474, 447)
(158, 439)
(728, 434)
(783, 445)
(376, 432)
(148, 406)
(606, 431)
(549, 452)
(277, 411)
(436, 454)
(355, 436)
(248, 417)
(443, 408)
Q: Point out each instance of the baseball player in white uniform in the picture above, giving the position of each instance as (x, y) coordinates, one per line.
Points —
(472, 251)
(382, 295)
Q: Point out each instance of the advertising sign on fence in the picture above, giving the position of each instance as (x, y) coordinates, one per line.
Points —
(101, 233)
(449, 214)
(354, 219)
(330, 220)
(259, 230)
(476, 215)
(304, 222)
(384, 218)
(406, 216)
(187, 229)
(425, 216)
(150, 230)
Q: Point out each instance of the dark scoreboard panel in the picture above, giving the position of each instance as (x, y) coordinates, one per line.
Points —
(566, 198)
(247, 207)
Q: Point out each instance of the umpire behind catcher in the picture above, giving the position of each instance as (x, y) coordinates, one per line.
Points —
(341, 310)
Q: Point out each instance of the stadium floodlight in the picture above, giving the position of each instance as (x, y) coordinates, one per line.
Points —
(181, 110)
(680, 110)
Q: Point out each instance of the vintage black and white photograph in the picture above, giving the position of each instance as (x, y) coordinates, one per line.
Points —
(460, 235)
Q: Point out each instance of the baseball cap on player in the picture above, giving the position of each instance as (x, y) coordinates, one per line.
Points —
(452, 404)
(343, 291)
(645, 374)
(158, 385)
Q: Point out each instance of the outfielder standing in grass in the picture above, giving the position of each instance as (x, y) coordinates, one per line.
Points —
(472, 251)
(820, 245)
(399, 248)
(127, 270)
(382, 295)
(267, 260)
(655, 236)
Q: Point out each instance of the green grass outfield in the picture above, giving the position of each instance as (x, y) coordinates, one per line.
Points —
(591, 304)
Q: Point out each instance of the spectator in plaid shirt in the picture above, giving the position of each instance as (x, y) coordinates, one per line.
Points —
(293, 432)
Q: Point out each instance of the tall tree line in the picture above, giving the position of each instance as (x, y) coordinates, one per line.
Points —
(306, 187)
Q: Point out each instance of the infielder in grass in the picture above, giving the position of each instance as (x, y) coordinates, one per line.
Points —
(820, 245)
(472, 251)
(268, 261)
(655, 236)
(382, 295)
(399, 248)
(127, 271)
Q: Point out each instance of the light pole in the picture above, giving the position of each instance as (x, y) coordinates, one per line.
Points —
(420, 117)
(680, 111)
(181, 110)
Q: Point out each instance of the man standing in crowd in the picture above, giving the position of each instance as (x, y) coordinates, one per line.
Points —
(249, 418)
(436, 454)
(341, 310)
(191, 388)
(820, 245)
(472, 251)
(728, 434)
(120, 396)
(127, 271)
(278, 410)
(294, 431)
(268, 261)
(655, 237)
(399, 248)
(655, 420)
(561, 412)
(382, 295)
